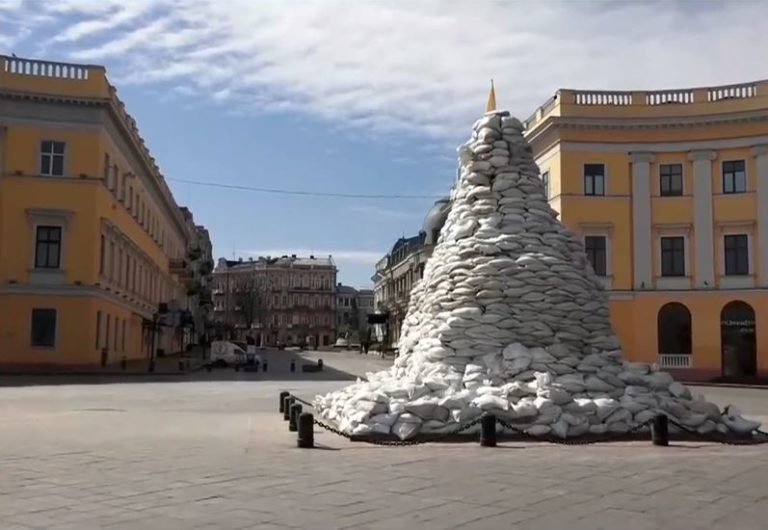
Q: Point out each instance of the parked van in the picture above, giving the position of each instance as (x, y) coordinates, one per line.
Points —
(227, 353)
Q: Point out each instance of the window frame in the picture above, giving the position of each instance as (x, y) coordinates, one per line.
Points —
(746, 249)
(671, 191)
(48, 243)
(662, 251)
(52, 153)
(545, 181)
(604, 239)
(54, 335)
(732, 174)
(586, 176)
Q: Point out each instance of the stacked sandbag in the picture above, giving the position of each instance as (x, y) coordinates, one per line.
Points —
(510, 318)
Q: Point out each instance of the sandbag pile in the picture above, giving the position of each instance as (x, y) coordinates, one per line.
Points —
(511, 319)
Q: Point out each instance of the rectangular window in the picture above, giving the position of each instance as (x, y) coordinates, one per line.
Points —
(736, 255)
(48, 247)
(129, 198)
(594, 179)
(98, 329)
(123, 336)
(107, 165)
(52, 158)
(734, 176)
(102, 255)
(117, 331)
(673, 256)
(44, 327)
(107, 328)
(671, 180)
(545, 181)
(112, 267)
(595, 247)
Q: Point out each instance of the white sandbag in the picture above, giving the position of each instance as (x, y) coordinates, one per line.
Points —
(490, 402)
(405, 430)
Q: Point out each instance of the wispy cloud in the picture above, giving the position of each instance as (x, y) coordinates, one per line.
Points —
(398, 65)
(377, 211)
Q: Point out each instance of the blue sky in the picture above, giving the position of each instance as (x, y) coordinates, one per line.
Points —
(358, 96)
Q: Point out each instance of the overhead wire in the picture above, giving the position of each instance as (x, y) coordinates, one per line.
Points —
(279, 191)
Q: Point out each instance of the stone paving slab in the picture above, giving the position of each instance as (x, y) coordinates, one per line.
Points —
(206, 455)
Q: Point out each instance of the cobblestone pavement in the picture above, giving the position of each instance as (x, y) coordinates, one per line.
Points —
(216, 455)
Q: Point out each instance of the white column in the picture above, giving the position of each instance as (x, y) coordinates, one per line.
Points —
(641, 219)
(703, 227)
(761, 249)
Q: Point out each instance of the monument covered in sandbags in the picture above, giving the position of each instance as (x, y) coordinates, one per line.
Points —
(510, 318)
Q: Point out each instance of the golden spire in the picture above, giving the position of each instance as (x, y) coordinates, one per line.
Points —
(491, 105)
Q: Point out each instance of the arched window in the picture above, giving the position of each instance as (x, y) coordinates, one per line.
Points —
(737, 336)
(674, 328)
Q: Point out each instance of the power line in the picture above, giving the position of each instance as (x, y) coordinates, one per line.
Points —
(304, 193)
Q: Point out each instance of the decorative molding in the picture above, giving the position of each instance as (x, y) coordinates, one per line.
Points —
(702, 154)
(664, 147)
(640, 157)
(760, 150)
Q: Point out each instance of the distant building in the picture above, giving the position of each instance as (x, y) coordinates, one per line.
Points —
(398, 271)
(352, 309)
(288, 300)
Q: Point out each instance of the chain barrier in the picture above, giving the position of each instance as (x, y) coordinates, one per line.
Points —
(760, 437)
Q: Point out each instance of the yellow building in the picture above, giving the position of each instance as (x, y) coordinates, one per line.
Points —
(92, 243)
(670, 191)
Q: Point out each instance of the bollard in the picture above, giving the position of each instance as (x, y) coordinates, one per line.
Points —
(283, 395)
(306, 437)
(488, 431)
(320, 364)
(264, 366)
(209, 367)
(660, 430)
(124, 362)
(293, 422)
(293, 365)
(287, 407)
(181, 365)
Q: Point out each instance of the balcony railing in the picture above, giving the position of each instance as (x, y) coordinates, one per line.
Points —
(742, 91)
(583, 97)
(674, 360)
(15, 65)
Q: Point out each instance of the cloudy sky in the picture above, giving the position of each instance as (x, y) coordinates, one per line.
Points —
(360, 97)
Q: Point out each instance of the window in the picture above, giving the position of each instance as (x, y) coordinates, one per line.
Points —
(107, 328)
(736, 254)
(106, 166)
(48, 247)
(123, 336)
(594, 179)
(673, 256)
(44, 327)
(112, 268)
(98, 329)
(117, 331)
(52, 158)
(734, 177)
(674, 329)
(545, 181)
(595, 247)
(671, 180)
(102, 256)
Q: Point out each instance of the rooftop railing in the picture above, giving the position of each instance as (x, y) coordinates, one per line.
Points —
(16, 65)
(649, 98)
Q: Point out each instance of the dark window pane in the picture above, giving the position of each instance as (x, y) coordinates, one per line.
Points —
(734, 176)
(45, 164)
(594, 179)
(43, 327)
(674, 329)
(46, 146)
(48, 247)
(736, 254)
(673, 256)
(57, 166)
(595, 247)
(58, 148)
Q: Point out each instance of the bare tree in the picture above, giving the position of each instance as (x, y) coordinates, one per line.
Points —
(251, 299)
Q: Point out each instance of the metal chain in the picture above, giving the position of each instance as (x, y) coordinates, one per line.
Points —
(761, 438)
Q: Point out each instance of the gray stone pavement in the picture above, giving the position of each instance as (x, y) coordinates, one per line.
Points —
(216, 455)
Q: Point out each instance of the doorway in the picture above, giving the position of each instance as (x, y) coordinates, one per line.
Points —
(737, 340)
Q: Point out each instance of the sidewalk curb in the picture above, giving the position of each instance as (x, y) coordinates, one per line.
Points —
(110, 373)
(725, 385)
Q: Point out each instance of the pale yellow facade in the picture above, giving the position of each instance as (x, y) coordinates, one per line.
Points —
(91, 239)
(670, 190)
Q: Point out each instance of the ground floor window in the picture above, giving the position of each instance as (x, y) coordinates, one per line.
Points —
(43, 328)
(737, 336)
(674, 329)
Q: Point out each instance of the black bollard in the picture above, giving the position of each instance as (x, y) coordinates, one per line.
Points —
(124, 363)
(488, 431)
(181, 365)
(264, 366)
(283, 395)
(660, 430)
(209, 367)
(293, 422)
(293, 365)
(320, 364)
(287, 407)
(306, 437)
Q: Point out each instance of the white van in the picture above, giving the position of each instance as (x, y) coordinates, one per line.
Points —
(227, 353)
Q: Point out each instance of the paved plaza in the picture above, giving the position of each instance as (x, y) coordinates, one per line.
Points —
(214, 454)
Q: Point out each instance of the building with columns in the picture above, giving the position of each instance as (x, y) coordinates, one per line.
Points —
(670, 191)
